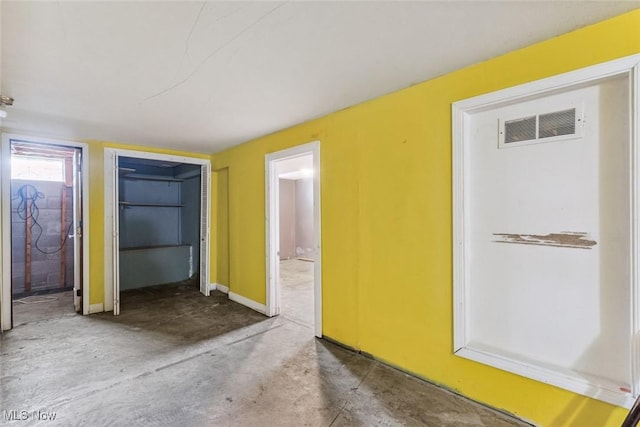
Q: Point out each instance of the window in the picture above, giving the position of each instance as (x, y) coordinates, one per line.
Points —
(36, 168)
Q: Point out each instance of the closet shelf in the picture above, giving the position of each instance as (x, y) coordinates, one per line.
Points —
(140, 248)
(134, 177)
(157, 205)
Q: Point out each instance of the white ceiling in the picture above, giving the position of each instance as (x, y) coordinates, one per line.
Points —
(295, 168)
(203, 76)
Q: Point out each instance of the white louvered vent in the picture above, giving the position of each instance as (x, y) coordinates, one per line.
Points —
(520, 130)
(543, 127)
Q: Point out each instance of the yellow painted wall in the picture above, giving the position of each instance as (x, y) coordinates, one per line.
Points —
(221, 252)
(387, 222)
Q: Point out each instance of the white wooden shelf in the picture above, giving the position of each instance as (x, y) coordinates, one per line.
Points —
(155, 205)
(134, 177)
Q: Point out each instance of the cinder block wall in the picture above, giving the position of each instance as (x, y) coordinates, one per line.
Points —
(45, 267)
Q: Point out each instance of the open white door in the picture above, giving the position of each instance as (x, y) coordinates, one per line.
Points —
(204, 229)
(116, 238)
(273, 240)
(77, 231)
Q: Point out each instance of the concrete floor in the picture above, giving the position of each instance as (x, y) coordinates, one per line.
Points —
(296, 291)
(175, 357)
(42, 307)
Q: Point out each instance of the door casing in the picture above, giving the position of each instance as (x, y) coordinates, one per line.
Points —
(273, 229)
(5, 228)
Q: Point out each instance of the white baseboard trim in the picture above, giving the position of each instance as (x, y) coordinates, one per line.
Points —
(222, 288)
(96, 308)
(212, 286)
(260, 308)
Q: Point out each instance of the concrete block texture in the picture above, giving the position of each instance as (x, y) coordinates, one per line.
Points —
(16, 266)
(53, 278)
(48, 231)
(49, 242)
(68, 278)
(17, 284)
(54, 256)
(54, 202)
(37, 255)
(53, 228)
(18, 227)
(38, 280)
(44, 267)
(49, 220)
(17, 253)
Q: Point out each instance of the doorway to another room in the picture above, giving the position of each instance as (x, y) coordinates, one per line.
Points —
(293, 286)
(44, 278)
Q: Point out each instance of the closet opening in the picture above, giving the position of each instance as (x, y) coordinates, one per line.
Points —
(160, 225)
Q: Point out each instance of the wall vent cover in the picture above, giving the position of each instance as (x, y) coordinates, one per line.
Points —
(543, 127)
(523, 129)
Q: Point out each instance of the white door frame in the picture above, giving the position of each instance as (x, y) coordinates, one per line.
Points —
(111, 284)
(462, 138)
(5, 177)
(273, 229)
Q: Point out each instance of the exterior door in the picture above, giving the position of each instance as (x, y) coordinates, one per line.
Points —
(77, 230)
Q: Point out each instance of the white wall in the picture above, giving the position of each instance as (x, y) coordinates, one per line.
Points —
(557, 305)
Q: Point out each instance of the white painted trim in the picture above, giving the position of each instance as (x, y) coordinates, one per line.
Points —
(538, 87)
(634, 159)
(317, 231)
(109, 237)
(222, 288)
(5, 281)
(159, 156)
(568, 380)
(111, 288)
(260, 308)
(273, 227)
(205, 249)
(461, 112)
(96, 308)
(5, 177)
(272, 209)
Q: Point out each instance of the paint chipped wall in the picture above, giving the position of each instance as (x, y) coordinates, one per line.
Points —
(565, 239)
(386, 222)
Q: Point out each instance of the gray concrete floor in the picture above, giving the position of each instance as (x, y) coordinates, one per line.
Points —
(175, 357)
(42, 307)
(296, 291)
